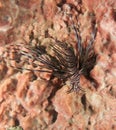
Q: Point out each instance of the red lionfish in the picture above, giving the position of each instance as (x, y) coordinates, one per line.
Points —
(66, 64)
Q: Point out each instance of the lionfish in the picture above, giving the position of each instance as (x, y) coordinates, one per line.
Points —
(66, 63)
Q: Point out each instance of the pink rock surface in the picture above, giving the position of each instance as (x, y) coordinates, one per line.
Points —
(31, 99)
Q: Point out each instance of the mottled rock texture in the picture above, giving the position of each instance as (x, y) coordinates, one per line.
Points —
(33, 101)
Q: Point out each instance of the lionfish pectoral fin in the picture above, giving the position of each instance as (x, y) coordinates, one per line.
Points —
(32, 70)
